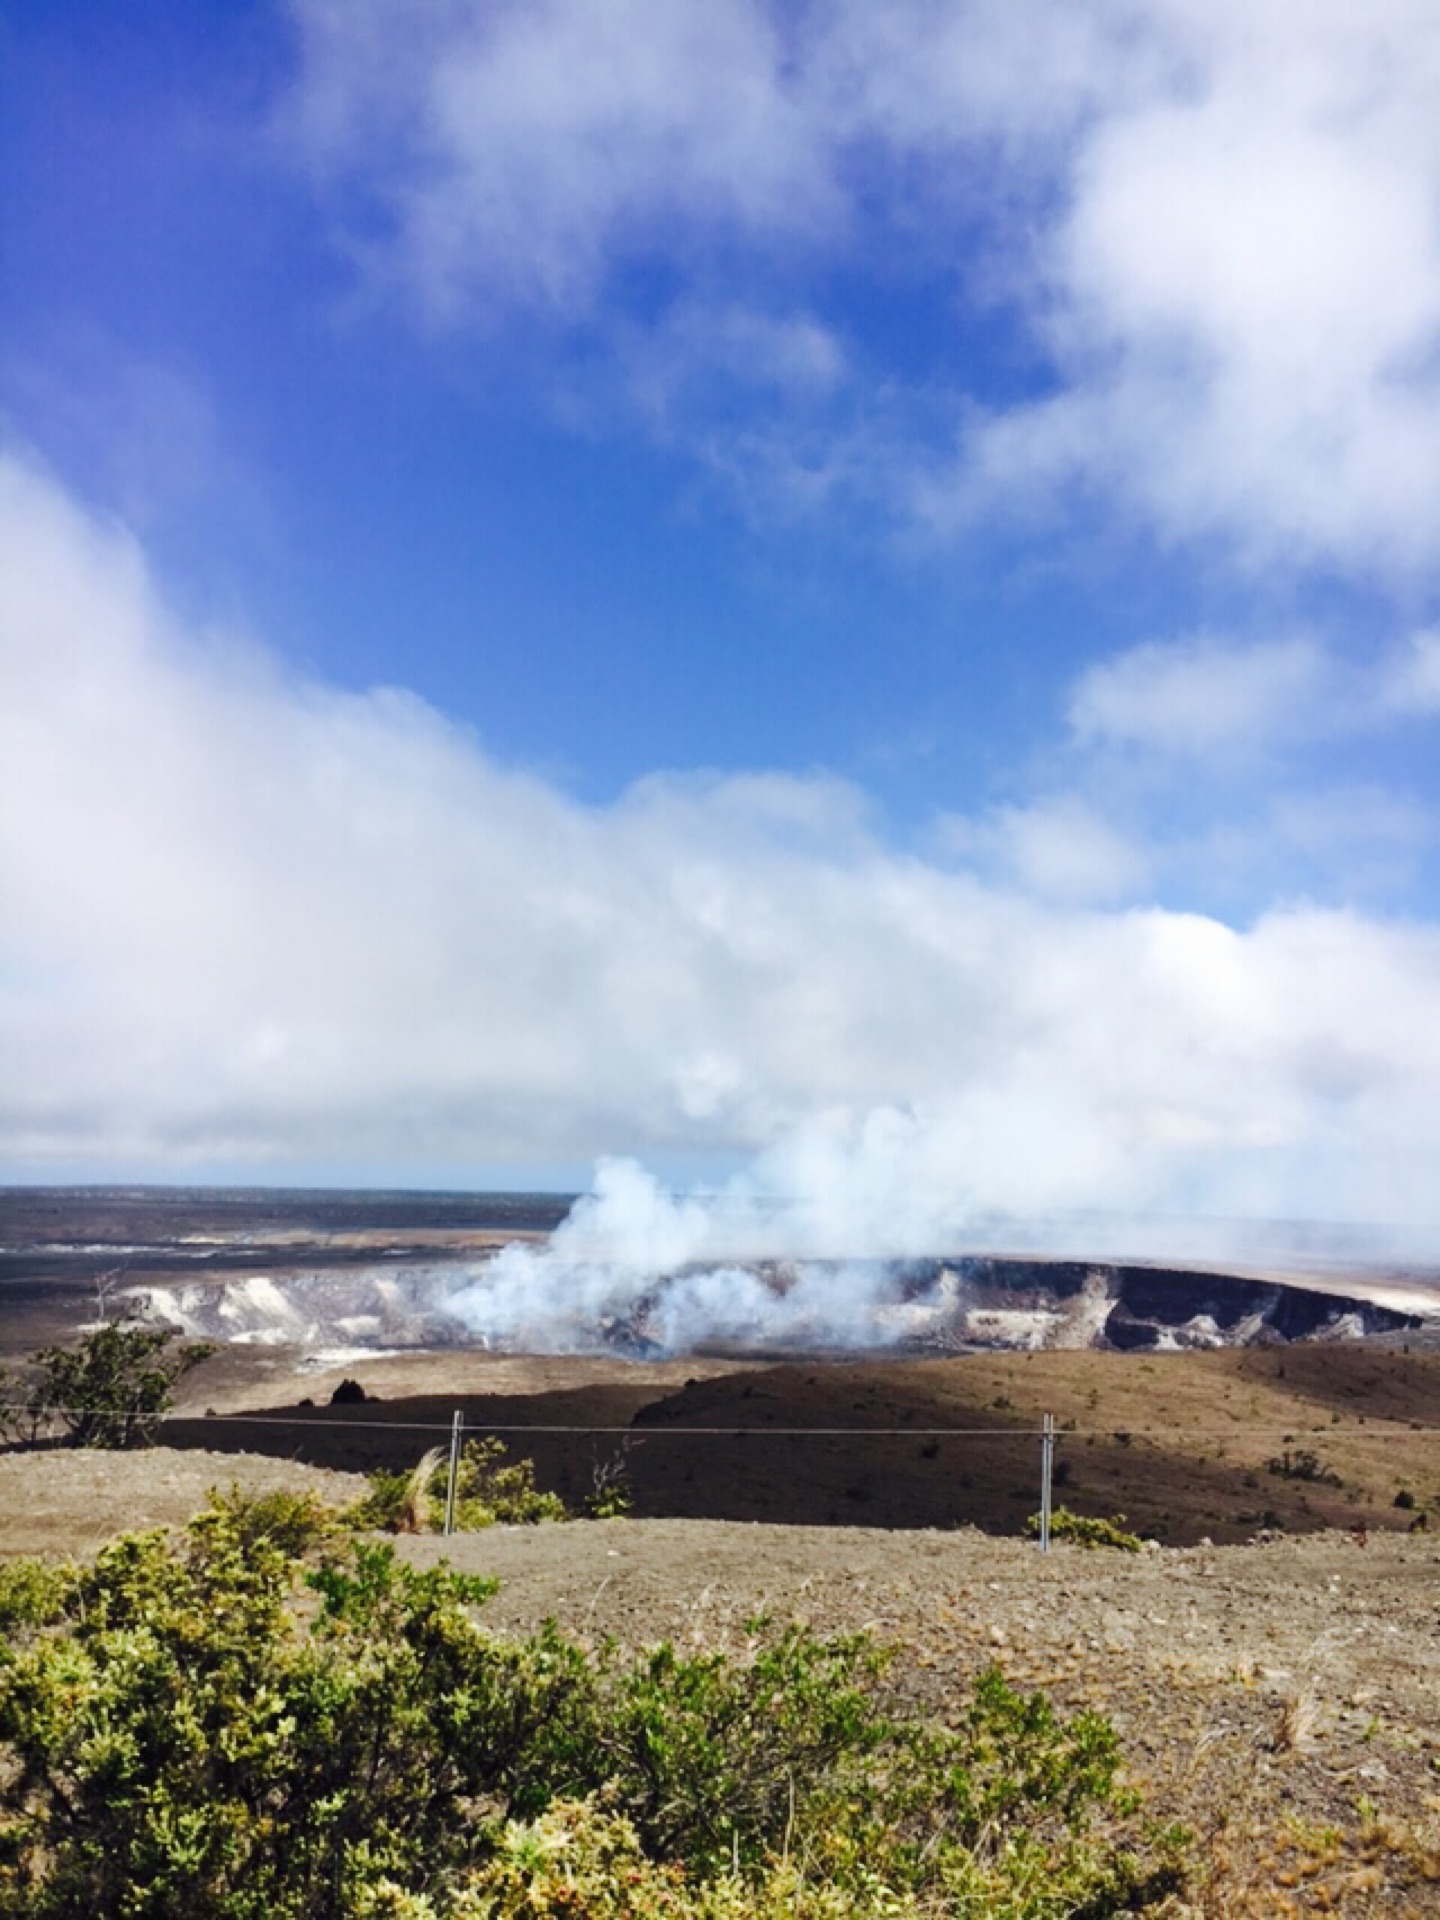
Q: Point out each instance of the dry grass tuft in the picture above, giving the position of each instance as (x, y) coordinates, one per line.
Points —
(413, 1513)
(1299, 1720)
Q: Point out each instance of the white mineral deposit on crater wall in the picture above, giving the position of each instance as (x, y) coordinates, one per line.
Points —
(529, 1299)
(358, 1306)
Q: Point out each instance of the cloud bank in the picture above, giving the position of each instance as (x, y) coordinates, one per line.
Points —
(255, 921)
(1211, 225)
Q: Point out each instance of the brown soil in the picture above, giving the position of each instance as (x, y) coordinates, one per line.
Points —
(1190, 1445)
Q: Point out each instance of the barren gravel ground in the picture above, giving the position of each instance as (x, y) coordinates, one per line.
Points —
(1283, 1698)
(65, 1503)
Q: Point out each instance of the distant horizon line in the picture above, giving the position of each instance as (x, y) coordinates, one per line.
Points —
(982, 1219)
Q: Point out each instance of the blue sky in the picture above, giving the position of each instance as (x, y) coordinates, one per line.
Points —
(686, 582)
(480, 515)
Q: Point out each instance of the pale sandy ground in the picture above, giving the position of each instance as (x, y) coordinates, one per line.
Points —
(68, 1503)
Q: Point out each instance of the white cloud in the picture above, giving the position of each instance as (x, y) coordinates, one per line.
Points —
(1226, 771)
(1246, 300)
(252, 918)
(1237, 276)
(1364, 838)
(1059, 848)
(532, 146)
(1213, 697)
(1206, 696)
(1215, 221)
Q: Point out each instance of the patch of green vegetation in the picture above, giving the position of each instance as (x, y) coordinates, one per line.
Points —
(490, 1490)
(269, 1719)
(33, 1592)
(109, 1390)
(1085, 1531)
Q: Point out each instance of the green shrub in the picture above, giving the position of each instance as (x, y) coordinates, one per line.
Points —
(185, 1743)
(292, 1523)
(613, 1501)
(582, 1857)
(1086, 1531)
(110, 1390)
(33, 1593)
(704, 1755)
(491, 1490)
(267, 1721)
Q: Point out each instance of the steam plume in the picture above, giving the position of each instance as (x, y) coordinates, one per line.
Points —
(835, 1242)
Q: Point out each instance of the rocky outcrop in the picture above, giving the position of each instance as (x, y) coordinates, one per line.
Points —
(1009, 1304)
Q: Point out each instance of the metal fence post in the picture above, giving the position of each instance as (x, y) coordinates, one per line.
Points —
(1047, 1462)
(455, 1427)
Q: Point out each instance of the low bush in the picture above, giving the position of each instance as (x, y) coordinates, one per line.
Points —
(399, 1502)
(33, 1592)
(612, 1494)
(290, 1523)
(490, 1490)
(1085, 1530)
(109, 1390)
(267, 1720)
(1302, 1463)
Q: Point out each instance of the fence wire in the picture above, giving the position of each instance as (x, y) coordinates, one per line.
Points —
(1387, 1427)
